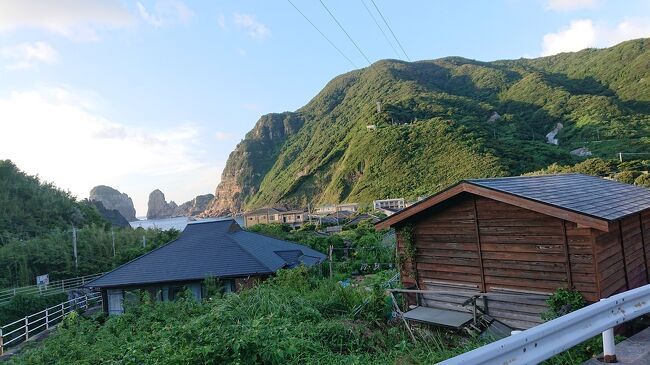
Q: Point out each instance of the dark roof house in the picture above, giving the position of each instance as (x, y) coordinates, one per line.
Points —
(219, 249)
(528, 235)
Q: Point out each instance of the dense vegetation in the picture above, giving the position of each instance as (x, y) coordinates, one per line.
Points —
(299, 317)
(296, 318)
(30, 207)
(36, 222)
(27, 304)
(629, 172)
(437, 125)
(22, 260)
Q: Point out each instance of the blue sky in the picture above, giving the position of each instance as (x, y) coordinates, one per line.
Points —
(153, 94)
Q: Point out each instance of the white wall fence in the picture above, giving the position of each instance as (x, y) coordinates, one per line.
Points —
(59, 286)
(551, 338)
(25, 328)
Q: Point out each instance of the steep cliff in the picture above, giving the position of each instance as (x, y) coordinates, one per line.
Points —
(251, 160)
(195, 206)
(404, 129)
(113, 199)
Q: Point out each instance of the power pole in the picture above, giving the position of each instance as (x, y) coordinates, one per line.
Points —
(330, 254)
(74, 248)
(113, 238)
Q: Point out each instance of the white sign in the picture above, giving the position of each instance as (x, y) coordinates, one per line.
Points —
(43, 279)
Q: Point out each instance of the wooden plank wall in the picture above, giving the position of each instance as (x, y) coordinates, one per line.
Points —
(610, 262)
(583, 272)
(635, 264)
(522, 249)
(522, 310)
(645, 227)
(446, 244)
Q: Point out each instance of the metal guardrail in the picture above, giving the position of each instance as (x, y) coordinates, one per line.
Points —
(24, 328)
(542, 342)
(59, 286)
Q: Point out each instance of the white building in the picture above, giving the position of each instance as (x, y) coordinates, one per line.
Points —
(392, 204)
(333, 208)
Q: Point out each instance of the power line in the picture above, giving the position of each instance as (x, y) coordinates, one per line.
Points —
(380, 28)
(344, 31)
(390, 29)
(323, 34)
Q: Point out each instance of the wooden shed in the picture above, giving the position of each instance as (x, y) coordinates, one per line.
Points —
(525, 236)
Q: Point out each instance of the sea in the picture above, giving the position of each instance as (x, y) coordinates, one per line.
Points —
(178, 223)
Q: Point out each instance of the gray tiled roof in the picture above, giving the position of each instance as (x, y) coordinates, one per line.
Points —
(589, 195)
(210, 249)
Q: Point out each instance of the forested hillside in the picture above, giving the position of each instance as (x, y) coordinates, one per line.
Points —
(36, 223)
(30, 207)
(440, 121)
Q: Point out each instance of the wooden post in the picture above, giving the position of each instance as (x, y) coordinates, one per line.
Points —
(620, 236)
(567, 256)
(330, 254)
(644, 244)
(478, 246)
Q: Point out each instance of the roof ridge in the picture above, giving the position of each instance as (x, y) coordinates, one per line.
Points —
(527, 176)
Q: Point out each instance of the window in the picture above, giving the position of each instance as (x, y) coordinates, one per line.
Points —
(175, 291)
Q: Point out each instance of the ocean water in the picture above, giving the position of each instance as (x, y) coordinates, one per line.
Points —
(176, 222)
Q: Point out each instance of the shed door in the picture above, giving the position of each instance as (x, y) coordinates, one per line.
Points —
(115, 301)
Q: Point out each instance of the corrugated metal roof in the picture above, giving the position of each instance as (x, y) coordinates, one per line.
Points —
(590, 195)
(208, 249)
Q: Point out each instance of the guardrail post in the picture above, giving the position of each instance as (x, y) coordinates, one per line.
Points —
(1, 343)
(47, 318)
(26, 328)
(609, 346)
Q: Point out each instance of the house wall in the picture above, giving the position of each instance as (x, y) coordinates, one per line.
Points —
(623, 254)
(480, 244)
(163, 291)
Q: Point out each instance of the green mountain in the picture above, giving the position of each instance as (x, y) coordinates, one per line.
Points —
(404, 129)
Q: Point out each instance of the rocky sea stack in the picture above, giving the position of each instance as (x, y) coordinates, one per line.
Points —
(113, 199)
(158, 208)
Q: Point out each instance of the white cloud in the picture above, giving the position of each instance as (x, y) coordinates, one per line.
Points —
(27, 55)
(569, 5)
(578, 35)
(76, 19)
(221, 20)
(581, 34)
(165, 12)
(58, 135)
(255, 29)
(224, 136)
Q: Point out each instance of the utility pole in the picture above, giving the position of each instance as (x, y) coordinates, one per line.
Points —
(330, 254)
(74, 248)
(113, 238)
